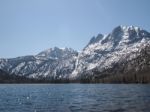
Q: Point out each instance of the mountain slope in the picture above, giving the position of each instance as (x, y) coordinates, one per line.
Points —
(121, 56)
(121, 45)
(51, 64)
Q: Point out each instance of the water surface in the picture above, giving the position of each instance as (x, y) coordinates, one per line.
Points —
(74, 98)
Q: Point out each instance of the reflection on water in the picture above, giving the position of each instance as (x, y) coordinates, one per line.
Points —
(74, 98)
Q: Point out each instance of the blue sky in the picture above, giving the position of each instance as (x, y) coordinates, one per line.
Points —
(30, 26)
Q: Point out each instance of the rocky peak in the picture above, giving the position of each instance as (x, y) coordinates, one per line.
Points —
(57, 53)
(96, 39)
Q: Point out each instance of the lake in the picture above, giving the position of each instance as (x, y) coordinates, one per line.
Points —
(74, 98)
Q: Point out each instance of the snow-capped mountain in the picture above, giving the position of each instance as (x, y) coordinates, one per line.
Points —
(104, 52)
(126, 50)
(52, 63)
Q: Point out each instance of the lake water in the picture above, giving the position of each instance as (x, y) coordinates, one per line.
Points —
(74, 98)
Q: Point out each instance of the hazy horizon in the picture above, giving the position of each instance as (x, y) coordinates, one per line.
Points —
(28, 27)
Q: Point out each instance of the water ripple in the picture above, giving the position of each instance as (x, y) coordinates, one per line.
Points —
(74, 98)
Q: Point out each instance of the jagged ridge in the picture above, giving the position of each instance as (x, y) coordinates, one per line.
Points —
(123, 51)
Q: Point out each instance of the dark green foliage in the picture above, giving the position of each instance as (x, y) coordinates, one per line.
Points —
(7, 78)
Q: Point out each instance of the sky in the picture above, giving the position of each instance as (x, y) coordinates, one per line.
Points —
(28, 27)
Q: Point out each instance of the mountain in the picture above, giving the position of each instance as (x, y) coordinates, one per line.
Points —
(53, 63)
(124, 51)
(120, 56)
